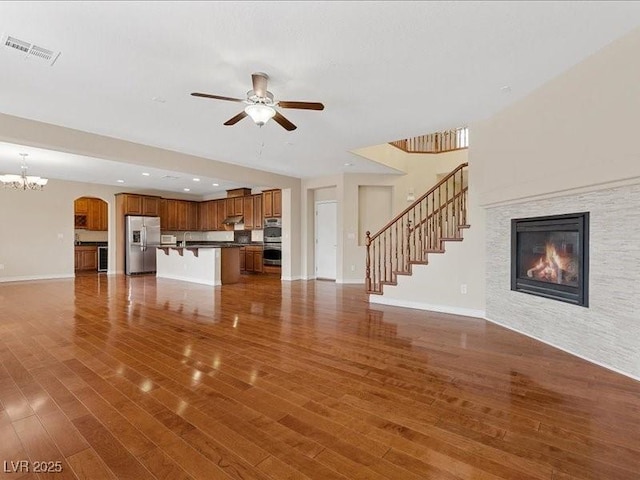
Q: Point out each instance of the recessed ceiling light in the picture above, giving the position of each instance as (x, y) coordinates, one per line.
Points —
(215, 184)
(120, 181)
(348, 164)
(146, 174)
(505, 89)
(196, 179)
(187, 189)
(159, 99)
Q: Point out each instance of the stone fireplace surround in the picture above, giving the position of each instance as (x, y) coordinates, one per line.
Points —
(606, 333)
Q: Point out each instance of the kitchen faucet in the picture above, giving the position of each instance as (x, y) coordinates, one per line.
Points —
(184, 238)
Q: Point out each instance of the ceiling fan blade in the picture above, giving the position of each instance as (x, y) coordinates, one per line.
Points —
(236, 119)
(301, 105)
(259, 80)
(286, 124)
(216, 97)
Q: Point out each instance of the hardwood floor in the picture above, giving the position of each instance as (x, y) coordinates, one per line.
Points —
(138, 378)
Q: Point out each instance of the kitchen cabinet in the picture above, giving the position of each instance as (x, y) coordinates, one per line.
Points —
(91, 214)
(272, 203)
(257, 212)
(86, 258)
(248, 212)
(140, 204)
(192, 215)
(234, 206)
(150, 206)
(81, 205)
(221, 209)
(179, 215)
(97, 218)
(251, 259)
(207, 216)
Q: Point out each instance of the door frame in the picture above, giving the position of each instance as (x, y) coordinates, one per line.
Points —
(315, 238)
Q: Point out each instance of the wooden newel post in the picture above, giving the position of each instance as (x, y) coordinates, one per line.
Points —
(368, 270)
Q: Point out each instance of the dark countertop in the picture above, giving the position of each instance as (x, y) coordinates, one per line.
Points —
(222, 244)
(91, 244)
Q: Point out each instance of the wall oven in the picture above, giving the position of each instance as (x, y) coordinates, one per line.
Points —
(272, 230)
(272, 254)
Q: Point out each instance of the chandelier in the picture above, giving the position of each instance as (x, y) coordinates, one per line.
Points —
(23, 181)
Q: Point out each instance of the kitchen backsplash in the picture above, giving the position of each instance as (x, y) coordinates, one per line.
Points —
(91, 236)
(257, 236)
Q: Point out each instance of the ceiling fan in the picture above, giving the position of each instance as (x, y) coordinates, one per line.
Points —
(260, 105)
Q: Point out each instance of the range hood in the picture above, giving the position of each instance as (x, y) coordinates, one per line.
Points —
(234, 219)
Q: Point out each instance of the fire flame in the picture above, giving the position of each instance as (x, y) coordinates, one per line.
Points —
(551, 267)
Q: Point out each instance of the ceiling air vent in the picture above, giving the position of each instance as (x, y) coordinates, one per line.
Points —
(29, 50)
(170, 177)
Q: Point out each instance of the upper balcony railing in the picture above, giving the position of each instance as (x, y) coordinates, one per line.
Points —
(438, 142)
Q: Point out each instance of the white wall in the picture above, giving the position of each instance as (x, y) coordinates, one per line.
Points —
(562, 149)
(578, 131)
(38, 229)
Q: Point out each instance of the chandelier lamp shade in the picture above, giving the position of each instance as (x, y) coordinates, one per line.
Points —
(23, 181)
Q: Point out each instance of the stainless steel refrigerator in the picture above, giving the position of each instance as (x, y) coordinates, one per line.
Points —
(142, 238)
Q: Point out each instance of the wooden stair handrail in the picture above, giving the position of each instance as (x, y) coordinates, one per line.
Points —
(437, 210)
(421, 229)
(420, 199)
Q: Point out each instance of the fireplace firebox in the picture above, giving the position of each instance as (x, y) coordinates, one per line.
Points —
(550, 257)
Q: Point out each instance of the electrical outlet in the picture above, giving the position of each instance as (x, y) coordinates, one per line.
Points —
(1, 266)
(353, 268)
(463, 288)
(60, 236)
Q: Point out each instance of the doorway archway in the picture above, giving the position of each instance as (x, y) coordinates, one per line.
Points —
(91, 235)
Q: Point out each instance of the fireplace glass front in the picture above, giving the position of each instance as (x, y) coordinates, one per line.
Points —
(549, 257)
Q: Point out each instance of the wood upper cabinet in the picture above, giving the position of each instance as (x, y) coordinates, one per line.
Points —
(258, 219)
(206, 215)
(81, 205)
(97, 216)
(234, 206)
(141, 205)
(192, 215)
(133, 205)
(272, 203)
(179, 215)
(277, 203)
(91, 214)
(221, 208)
(248, 213)
(151, 206)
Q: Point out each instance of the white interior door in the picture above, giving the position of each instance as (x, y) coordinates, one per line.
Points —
(326, 239)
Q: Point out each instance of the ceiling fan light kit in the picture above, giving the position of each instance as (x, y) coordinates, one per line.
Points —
(261, 106)
(259, 113)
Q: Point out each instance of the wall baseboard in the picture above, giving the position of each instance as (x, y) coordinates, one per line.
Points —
(465, 312)
(28, 278)
(546, 342)
(351, 282)
(292, 279)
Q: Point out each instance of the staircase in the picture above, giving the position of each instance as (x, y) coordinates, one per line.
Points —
(438, 216)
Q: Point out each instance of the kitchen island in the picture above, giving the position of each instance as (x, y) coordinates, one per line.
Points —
(205, 264)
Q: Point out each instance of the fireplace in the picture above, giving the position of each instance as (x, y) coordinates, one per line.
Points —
(550, 257)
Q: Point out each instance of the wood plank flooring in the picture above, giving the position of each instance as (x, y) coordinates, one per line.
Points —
(138, 378)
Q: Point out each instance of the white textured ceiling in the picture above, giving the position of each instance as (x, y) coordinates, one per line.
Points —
(384, 70)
